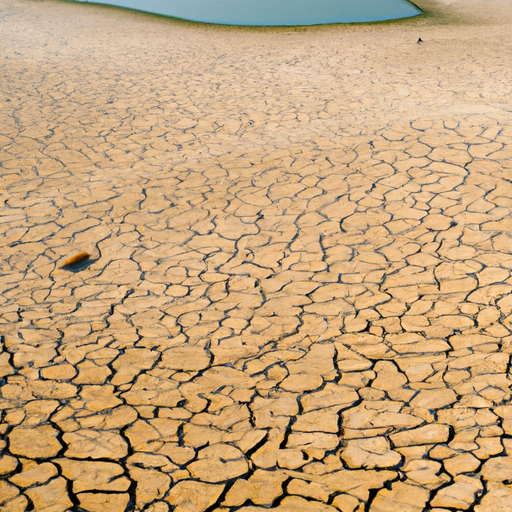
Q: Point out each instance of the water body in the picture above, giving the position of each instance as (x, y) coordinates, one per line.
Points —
(274, 12)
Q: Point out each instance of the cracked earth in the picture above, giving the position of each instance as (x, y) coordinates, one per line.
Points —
(299, 290)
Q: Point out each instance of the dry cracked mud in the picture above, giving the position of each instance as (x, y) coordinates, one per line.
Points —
(299, 290)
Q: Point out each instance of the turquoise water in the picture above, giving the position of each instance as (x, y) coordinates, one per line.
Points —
(274, 12)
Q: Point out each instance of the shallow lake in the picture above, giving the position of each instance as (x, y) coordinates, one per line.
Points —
(274, 12)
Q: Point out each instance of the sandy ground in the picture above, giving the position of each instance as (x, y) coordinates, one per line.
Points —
(298, 296)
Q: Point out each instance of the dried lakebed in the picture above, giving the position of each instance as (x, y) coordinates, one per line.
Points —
(298, 295)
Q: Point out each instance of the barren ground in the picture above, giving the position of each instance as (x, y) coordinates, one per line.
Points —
(299, 290)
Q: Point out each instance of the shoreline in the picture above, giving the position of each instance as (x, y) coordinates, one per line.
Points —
(433, 12)
(158, 10)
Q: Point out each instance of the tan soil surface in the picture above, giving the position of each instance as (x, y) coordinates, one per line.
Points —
(298, 295)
